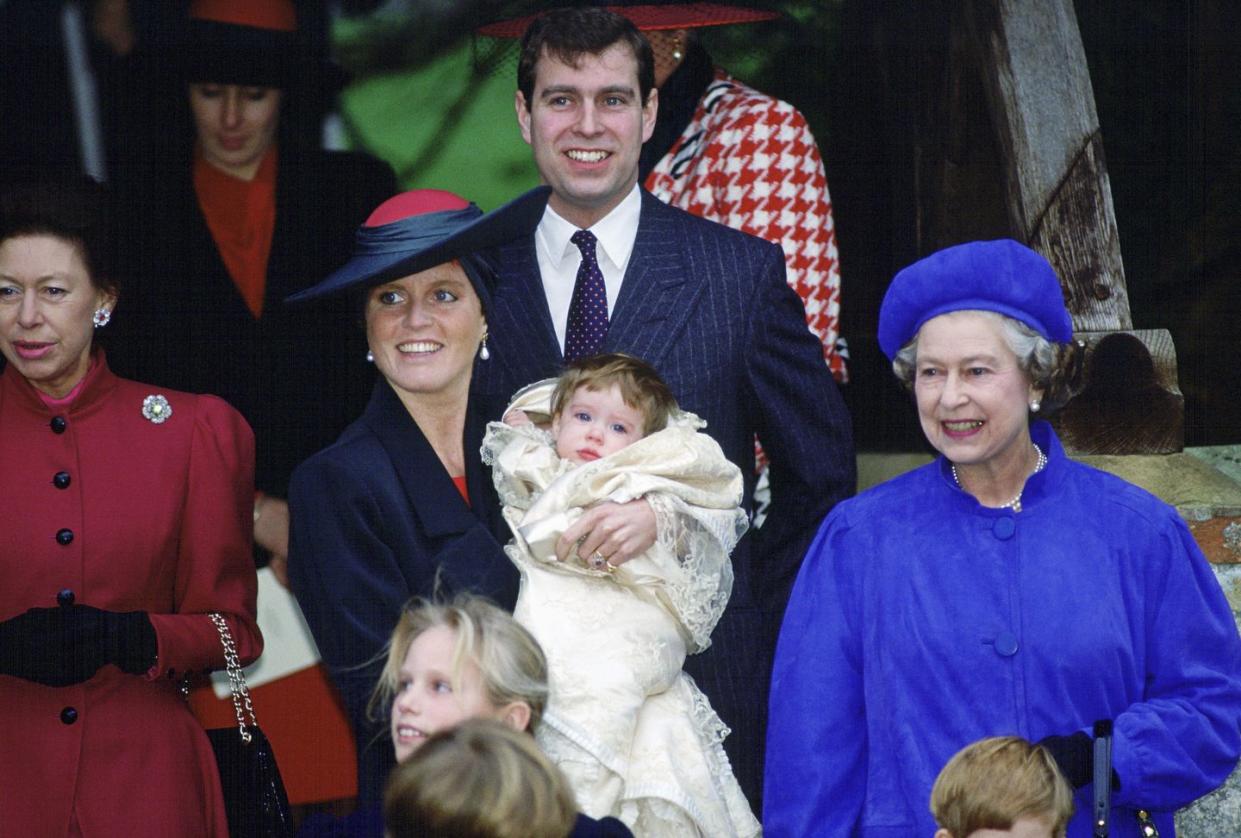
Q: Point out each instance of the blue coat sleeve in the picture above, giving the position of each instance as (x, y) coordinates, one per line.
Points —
(1181, 740)
(815, 779)
(803, 426)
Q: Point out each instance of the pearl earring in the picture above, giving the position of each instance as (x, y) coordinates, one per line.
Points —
(483, 351)
(1035, 405)
(370, 357)
(677, 55)
(102, 317)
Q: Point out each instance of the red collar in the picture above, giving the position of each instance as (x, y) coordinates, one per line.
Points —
(94, 387)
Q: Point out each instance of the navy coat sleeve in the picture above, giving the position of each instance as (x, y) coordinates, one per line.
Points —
(345, 572)
(804, 427)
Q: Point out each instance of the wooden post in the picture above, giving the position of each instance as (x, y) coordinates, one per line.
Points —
(1059, 200)
(984, 114)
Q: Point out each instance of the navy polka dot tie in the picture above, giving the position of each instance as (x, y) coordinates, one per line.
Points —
(588, 310)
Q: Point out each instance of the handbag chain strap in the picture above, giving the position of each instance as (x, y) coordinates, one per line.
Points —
(236, 678)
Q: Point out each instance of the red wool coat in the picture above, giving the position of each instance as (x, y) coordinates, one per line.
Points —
(749, 161)
(127, 514)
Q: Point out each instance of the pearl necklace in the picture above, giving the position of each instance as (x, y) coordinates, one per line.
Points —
(1015, 503)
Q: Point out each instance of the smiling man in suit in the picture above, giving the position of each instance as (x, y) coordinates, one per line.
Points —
(611, 268)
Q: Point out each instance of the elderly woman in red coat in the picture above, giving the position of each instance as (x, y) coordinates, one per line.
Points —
(127, 520)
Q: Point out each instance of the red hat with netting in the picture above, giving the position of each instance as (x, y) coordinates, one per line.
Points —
(647, 16)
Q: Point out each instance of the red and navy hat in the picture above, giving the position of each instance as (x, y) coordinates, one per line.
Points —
(648, 16)
(1002, 276)
(422, 228)
(253, 43)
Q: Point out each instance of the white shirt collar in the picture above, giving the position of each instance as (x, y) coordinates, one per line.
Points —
(616, 233)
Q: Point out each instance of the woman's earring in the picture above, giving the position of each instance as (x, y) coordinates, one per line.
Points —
(1035, 405)
(102, 317)
(370, 357)
(677, 55)
(483, 351)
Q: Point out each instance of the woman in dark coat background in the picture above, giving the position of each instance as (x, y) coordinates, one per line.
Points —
(225, 221)
(233, 219)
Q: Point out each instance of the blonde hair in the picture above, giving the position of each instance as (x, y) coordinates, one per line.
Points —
(640, 386)
(994, 782)
(479, 779)
(510, 660)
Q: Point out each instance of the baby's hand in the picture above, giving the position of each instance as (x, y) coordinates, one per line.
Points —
(517, 418)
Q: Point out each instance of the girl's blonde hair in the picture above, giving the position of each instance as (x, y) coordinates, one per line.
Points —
(480, 779)
(510, 660)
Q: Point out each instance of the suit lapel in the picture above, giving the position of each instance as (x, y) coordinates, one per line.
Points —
(432, 494)
(519, 308)
(656, 297)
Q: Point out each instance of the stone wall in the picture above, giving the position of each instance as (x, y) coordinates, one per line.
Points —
(1219, 813)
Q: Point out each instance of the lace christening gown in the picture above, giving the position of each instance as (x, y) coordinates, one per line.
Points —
(635, 736)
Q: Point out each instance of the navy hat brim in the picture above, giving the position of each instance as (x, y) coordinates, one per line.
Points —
(388, 252)
(1003, 276)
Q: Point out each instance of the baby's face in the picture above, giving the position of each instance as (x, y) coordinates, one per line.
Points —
(594, 424)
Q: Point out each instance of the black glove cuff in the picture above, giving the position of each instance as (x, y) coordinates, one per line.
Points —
(136, 645)
(1074, 754)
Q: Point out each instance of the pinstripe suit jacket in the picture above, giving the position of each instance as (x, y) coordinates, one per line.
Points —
(709, 307)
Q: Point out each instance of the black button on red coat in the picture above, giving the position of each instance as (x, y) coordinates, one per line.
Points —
(65, 598)
(69, 715)
(62, 480)
(59, 423)
(64, 536)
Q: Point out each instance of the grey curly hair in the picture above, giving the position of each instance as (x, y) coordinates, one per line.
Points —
(1050, 366)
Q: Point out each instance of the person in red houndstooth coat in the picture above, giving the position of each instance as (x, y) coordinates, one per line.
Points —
(749, 161)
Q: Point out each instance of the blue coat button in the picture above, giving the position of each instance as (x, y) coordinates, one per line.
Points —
(69, 715)
(65, 598)
(1004, 528)
(1006, 644)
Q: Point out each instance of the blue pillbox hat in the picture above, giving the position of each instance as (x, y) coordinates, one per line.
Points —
(1002, 276)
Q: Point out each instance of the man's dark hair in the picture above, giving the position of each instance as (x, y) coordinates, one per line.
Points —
(569, 34)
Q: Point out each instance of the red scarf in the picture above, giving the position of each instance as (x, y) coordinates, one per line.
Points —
(241, 215)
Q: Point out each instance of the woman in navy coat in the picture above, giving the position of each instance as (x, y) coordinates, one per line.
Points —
(400, 505)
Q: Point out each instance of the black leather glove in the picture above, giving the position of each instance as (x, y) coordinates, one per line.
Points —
(126, 639)
(1074, 754)
(36, 645)
(65, 645)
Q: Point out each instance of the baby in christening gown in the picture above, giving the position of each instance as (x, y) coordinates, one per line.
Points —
(636, 737)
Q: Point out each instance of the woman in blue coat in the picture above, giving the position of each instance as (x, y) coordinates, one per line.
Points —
(400, 505)
(1002, 589)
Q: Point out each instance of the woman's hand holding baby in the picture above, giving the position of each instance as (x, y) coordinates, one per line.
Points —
(616, 531)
